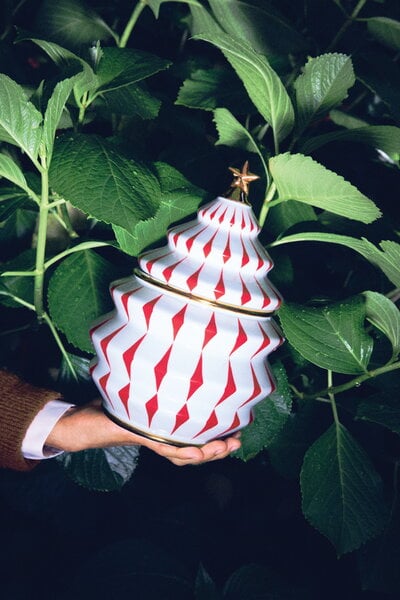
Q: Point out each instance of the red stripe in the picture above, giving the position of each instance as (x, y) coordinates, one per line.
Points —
(148, 309)
(219, 288)
(196, 379)
(181, 417)
(230, 387)
(178, 320)
(160, 370)
(241, 338)
(151, 408)
(128, 355)
(212, 422)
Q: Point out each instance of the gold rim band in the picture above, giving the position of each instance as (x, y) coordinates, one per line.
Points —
(150, 436)
(214, 304)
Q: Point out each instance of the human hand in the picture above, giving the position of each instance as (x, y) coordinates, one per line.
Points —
(87, 427)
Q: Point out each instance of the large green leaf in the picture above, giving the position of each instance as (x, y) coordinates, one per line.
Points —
(132, 100)
(262, 27)
(78, 294)
(71, 22)
(12, 287)
(102, 470)
(299, 177)
(385, 316)
(119, 67)
(263, 85)
(156, 4)
(214, 88)
(178, 200)
(270, 415)
(387, 259)
(383, 137)
(20, 122)
(258, 582)
(286, 214)
(342, 493)
(94, 177)
(11, 171)
(383, 409)
(385, 30)
(323, 85)
(233, 133)
(54, 110)
(202, 21)
(302, 428)
(332, 337)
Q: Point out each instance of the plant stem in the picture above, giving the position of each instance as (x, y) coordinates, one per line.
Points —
(346, 25)
(41, 240)
(332, 398)
(266, 204)
(67, 221)
(353, 382)
(49, 322)
(82, 108)
(131, 23)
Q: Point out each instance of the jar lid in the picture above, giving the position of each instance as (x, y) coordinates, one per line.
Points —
(218, 258)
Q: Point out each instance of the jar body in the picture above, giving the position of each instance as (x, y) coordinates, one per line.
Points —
(179, 369)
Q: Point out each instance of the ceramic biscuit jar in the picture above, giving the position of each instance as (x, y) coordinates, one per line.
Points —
(183, 356)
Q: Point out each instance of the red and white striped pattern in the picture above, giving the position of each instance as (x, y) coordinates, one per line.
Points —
(218, 257)
(177, 368)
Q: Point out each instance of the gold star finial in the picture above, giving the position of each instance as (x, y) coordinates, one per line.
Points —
(242, 178)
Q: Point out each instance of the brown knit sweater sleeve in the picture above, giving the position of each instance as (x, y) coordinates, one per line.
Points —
(19, 404)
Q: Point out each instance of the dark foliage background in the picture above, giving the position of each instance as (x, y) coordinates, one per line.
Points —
(232, 529)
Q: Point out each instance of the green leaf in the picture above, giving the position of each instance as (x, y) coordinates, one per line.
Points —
(323, 85)
(54, 110)
(262, 27)
(299, 177)
(132, 100)
(78, 294)
(287, 450)
(11, 171)
(387, 259)
(179, 199)
(382, 409)
(213, 88)
(270, 415)
(381, 75)
(385, 316)
(202, 21)
(16, 286)
(205, 588)
(20, 122)
(344, 119)
(71, 22)
(233, 133)
(286, 214)
(257, 582)
(156, 4)
(383, 137)
(120, 67)
(263, 85)
(94, 177)
(341, 491)
(332, 337)
(67, 61)
(102, 470)
(386, 31)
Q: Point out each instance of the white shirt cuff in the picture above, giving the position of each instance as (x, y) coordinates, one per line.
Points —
(33, 446)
